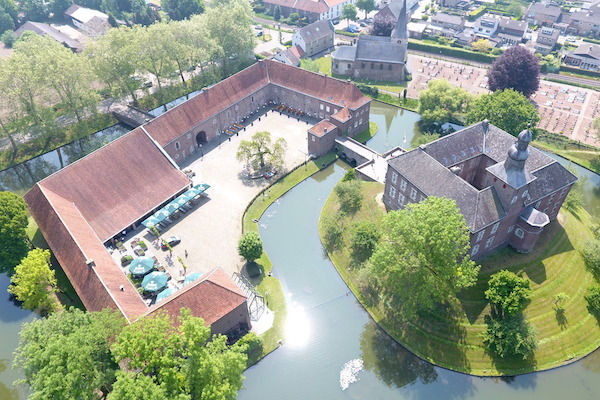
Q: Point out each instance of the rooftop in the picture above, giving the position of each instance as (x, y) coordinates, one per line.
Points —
(316, 30)
(83, 14)
(321, 128)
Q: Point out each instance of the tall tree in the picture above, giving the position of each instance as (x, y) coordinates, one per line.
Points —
(261, 151)
(67, 355)
(423, 256)
(250, 246)
(366, 5)
(13, 235)
(517, 68)
(349, 12)
(182, 9)
(115, 60)
(155, 47)
(33, 281)
(129, 386)
(507, 109)
(35, 10)
(508, 293)
(440, 103)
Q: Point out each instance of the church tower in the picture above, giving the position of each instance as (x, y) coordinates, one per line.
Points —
(400, 32)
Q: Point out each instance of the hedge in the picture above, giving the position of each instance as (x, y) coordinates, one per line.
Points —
(590, 40)
(451, 51)
(473, 15)
(345, 33)
(580, 71)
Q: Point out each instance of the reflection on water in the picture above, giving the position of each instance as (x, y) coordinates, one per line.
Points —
(297, 326)
(396, 127)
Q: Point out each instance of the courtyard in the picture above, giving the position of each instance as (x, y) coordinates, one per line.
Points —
(210, 230)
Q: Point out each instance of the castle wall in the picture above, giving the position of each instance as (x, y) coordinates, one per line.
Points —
(380, 71)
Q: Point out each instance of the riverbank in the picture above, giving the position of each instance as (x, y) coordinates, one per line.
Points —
(268, 285)
(582, 154)
(450, 337)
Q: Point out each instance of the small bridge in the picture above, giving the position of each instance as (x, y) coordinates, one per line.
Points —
(368, 163)
(256, 301)
(130, 116)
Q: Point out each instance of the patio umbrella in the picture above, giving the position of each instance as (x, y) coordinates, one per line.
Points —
(164, 294)
(202, 187)
(191, 278)
(151, 221)
(181, 201)
(191, 193)
(161, 214)
(171, 207)
(154, 281)
(141, 265)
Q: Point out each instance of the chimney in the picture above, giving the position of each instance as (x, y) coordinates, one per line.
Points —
(90, 263)
(325, 130)
(122, 288)
(486, 124)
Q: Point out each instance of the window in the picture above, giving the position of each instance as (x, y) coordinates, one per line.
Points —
(402, 185)
(189, 135)
(372, 66)
(401, 199)
(394, 177)
(337, 66)
(390, 67)
(321, 107)
(380, 66)
(177, 146)
(510, 229)
(362, 65)
(327, 108)
(480, 235)
(335, 110)
(525, 194)
(475, 250)
(392, 192)
(489, 242)
(349, 66)
(214, 121)
(360, 121)
(514, 200)
(312, 137)
(413, 194)
(495, 227)
(520, 233)
(538, 204)
(421, 198)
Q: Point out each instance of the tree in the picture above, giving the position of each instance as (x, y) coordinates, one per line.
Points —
(507, 293)
(591, 256)
(277, 13)
(592, 296)
(182, 9)
(560, 300)
(154, 47)
(13, 237)
(8, 38)
(350, 175)
(182, 358)
(512, 337)
(574, 199)
(135, 387)
(349, 12)
(6, 22)
(440, 103)
(363, 240)
(35, 10)
(58, 7)
(366, 5)
(482, 45)
(250, 246)
(333, 233)
(423, 256)
(34, 281)
(261, 151)
(517, 68)
(507, 109)
(349, 196)
(67, 355)
(252, 346)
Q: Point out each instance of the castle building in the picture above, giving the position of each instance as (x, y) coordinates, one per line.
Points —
(377, 58)
(506, 190)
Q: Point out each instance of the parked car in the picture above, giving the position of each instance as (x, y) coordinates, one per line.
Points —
(172, 240)
(352, 29)
(369, 20)
(363, 24)
(259, 33)
(571, 39)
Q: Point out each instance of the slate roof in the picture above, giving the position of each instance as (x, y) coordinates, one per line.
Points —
(535, 217)
(588, 50)
(480, 208)
(316, 30)
(178, 120)
(544, 8)
(84, 14)
(47, 29)
(379, 49)
(550, 178)
(511, 24)
(344, 53)
(444, 18)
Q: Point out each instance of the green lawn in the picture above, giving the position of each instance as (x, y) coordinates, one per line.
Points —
(268, 284)
(451, 337)
(583, 157)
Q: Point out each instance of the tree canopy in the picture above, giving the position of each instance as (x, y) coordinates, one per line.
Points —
(34, 281)
(366, 5)
(182, 9)
(261, 151)
(440, 103)
(363, 240)
(13, 235)
(423, 256)
(67, 355)
(508, 293)
(349, 196)
(349, 12)
(507, 109)
(250, 246)
(517, 68)
(129, 386)
(512, 337)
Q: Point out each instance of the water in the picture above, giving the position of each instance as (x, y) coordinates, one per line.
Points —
(396, 127)
(329, 330)
(161, 109)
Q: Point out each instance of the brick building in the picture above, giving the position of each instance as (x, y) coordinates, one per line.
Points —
(544, 13)
(507, 191)
(314, 10)
(375, 57)
(314, 38)
(586, 56)
(546, 40)
(586, 22)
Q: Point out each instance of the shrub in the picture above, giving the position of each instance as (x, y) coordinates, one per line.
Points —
(560, 299)
(8, 38)
(252, 346)
(512, 337)
(333, 233)
(350, 175)
(591, 256)
(365, 236)
(349, 196)
(250, 246)
(507, 292)
(143, 245)
(592, 296)
(126, 260)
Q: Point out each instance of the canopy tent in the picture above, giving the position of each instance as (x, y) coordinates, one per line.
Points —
(164, 294)
(191, 278)
(141, 266)
(154, 281)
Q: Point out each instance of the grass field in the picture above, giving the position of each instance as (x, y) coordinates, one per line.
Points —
(451, 336)
(583, 157)
(268, 284)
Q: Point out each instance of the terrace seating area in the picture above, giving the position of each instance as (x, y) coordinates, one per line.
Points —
(176, 208)
(282, 108)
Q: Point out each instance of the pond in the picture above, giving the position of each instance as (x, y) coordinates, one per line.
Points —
(334, 350)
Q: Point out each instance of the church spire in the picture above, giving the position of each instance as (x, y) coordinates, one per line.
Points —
(400, 32)
(518, 152)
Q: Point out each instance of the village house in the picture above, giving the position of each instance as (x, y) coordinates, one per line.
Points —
(586, 56)
(448, 21)
(54, 32)
(511, 32)
(290, 56)
(92, 22)
(507, 190)
(390, 13)
(314, 10)
(543, 13)
(314, 38)
(586, 22)
(546, 40)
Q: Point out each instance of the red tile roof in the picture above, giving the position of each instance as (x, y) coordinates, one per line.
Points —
(211, 297)
(343, 115)
(297, 51)
(312, 6)
(177, 121)
(119, 183)
(322, 127)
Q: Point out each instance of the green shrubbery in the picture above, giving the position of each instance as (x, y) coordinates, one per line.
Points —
(450, 51)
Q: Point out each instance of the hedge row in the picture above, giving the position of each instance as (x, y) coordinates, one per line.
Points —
(590, 40)
(451, 51)
(473, 15)
(580, 71)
